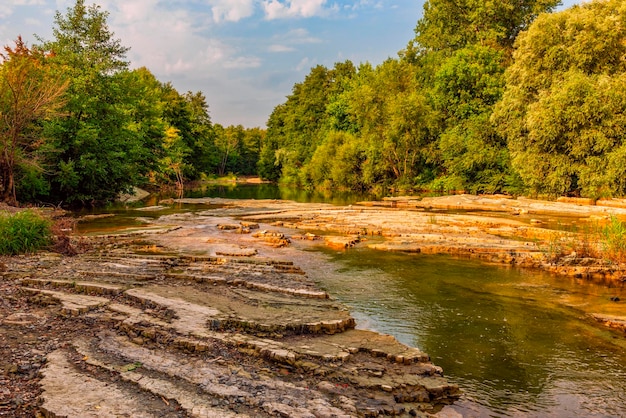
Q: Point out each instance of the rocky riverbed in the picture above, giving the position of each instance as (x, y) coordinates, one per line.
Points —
(206, 313)
(195, 317)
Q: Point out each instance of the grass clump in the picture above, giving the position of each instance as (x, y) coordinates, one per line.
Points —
(23, 232)
(614, 240)
(606, 241)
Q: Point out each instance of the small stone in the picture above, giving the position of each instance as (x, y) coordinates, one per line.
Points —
(11, 369)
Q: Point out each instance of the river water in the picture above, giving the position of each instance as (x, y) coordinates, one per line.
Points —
(519, 343)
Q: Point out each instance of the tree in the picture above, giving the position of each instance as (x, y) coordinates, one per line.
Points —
(173, 161)
(228, 142)
(203, 155)
(95, 154)
(395, 123)
(448, 25)
(29, 93)
(298, 126)
(466, 87)
(563, 108)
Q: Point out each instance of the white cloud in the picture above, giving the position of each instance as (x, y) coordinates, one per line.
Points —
(8, 6)
(231, 10)
(301, 36)
(303, 64)
(275, 9)
(280, 48)
(5, 10)
(242, 62)
(173, 42)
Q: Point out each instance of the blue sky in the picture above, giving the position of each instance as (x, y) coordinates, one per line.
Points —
(244, 55)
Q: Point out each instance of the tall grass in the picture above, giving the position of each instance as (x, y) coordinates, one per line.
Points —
(23, 232)
(614, 240)
(602, 241)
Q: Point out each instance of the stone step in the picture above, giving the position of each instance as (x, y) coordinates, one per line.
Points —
(62, 383)
(213, 279)
(166, 386)
(235, 387)
(79, 287)
(321, 327)
(139, 277)
(72, 304)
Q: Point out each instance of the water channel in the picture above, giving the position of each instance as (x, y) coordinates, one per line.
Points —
(518, 342)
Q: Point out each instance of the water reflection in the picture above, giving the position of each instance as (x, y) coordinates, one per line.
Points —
(273, 191)
(516, 341)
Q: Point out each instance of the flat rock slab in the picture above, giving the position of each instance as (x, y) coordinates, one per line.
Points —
(73, 304)
(72, 394)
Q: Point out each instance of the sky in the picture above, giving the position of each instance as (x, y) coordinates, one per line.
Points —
(244, 55)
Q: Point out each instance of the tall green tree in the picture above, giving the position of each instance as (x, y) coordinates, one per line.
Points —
(466, 87)
(395, 123)
(95, 153)
(448, 25)
(565, 100)
(204, 155)
(297, 127)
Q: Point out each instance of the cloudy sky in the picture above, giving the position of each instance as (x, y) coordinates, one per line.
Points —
(244, 55)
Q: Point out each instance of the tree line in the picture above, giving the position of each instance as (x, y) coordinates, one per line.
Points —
(506, 96)
(487, 97)
(78, 126)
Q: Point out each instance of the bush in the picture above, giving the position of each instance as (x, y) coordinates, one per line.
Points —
(23, 232)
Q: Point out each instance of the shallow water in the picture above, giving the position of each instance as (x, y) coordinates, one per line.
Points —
(517, 342)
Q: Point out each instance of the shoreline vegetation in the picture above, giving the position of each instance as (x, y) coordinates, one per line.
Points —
(499, 100)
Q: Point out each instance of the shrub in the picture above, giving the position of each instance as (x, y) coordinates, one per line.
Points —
(23, 232)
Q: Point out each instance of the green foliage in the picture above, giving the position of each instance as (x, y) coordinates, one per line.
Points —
(29, 93)
(337, 163)
(23, 232)
(448, 25)
(614, 240)
(467, 85)
(564, 105)
(31, 184)
(423, 120)
(297, 127)
(93, 142)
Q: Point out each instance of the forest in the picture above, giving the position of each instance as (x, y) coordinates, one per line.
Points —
(78, 127)
(488, 97)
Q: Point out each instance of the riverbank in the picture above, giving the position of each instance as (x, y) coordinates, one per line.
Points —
(191, 318)
(549, 236)
(207, 311)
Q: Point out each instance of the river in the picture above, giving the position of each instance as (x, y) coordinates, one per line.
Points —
(518, 342)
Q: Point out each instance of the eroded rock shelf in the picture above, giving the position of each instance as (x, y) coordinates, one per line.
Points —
(167, 327)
